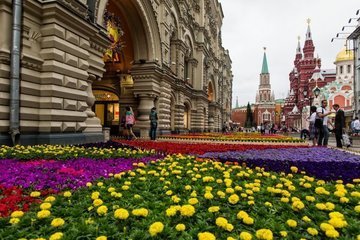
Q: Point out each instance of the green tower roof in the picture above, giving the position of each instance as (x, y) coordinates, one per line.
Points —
(264, 68)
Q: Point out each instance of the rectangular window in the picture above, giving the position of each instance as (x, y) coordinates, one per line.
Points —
(341, 69)
(349, 68)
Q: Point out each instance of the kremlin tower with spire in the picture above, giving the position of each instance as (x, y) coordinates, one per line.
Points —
(264, 107)
(304, 78)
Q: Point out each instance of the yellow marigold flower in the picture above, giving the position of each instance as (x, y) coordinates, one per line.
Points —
(17, 214)
(170, 212)
(264, 234)
(193, 201)
(284, 199)
(336, 215)
(298, 205)
(355, 194)
(45, 206)
(95, 195)
(294, 169)
(357, 208)
(88, 184)
(121, 213)
(214, 209)
(312, 231)
(245, 236)
(329, 206)
(306, 219)
(56, 236)
(97, 202)
(208, 188)
(307, 185)
(310, 198)
(14, 220)
(43, 214)
(320, 206)
(100, 184)
(156, 228)
(344, 200)
(141, 212)
(229, 190)
(187, 210)
(180, 227)
(233, 199)
(283, 233)
(242, 214)
(338, 222)
(57, 222)
(248, 220)
(208, 195)
(230, 238)
(332, 233)
(188, 187)
(175, 199)
(268, 204)
(125, 187)
(221, 222)
(50, 199)
(101, 238)
(326, 226)
(111, 189)
(229, 227)
(169, 192)
(291, 223)
(67, 194)
(206, 236)
(35, 239)
(35, 194)
(102, 210)
(251, 202)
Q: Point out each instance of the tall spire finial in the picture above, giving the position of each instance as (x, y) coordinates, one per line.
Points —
(308, 32)
(237, 102)
(298, 49)
(264, 69)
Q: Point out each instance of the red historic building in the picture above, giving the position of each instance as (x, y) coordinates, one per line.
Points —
(304, 78)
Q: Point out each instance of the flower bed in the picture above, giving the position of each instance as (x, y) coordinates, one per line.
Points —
(60, 175)
(180, 198)
(197, 148)
(235, 136)
(59, 152)
(324, 163)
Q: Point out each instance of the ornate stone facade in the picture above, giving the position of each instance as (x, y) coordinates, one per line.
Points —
(172, 59)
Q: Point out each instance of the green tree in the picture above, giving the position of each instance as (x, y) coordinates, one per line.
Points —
(249, 117)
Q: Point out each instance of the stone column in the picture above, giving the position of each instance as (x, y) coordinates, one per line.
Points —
(146, 102)
(93, 124)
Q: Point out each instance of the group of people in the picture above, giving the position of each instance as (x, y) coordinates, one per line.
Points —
(319, 121)
(128, 121)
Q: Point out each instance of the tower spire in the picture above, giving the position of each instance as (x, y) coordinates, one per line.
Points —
(264, 68)
(237, 102)
(298, 49)
(308, 32)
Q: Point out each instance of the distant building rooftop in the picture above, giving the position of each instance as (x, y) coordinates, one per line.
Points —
(328, 71)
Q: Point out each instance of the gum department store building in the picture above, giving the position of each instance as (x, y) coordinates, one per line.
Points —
(70, 67)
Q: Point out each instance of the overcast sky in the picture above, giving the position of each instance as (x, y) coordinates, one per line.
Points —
(250, 25)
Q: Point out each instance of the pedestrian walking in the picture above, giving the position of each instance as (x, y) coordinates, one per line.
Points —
(130, 122)
(339, 125)
(313, 131)
(153, 123)
(323, 113)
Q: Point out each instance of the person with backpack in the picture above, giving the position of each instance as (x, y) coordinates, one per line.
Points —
(313, 131)
(339, 125)
(322, 114)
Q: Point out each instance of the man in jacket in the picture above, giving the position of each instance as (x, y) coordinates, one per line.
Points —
(153, 123)
(339, 125)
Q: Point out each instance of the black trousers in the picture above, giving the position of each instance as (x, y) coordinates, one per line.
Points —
(338, 137)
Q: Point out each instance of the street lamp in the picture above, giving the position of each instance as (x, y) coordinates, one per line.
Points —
(316, 91)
